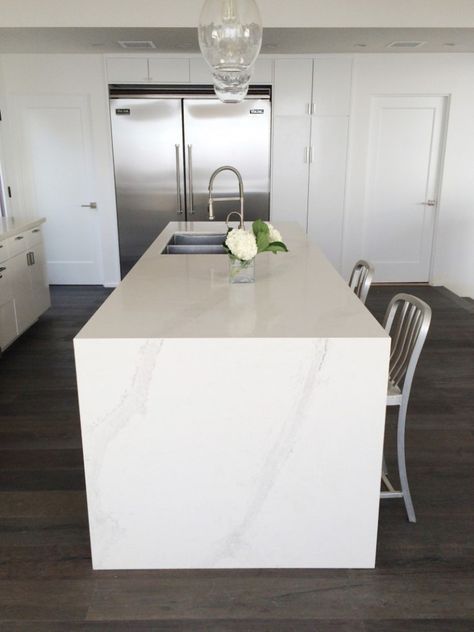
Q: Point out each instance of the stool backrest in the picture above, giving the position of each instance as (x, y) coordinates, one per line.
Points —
(407, 320)
(361, 279)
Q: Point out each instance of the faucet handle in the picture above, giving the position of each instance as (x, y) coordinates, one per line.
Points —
(241, 219)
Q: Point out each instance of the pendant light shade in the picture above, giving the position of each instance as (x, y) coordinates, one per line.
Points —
(230, 38)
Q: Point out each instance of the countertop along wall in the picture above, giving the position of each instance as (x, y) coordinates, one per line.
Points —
(441, 74)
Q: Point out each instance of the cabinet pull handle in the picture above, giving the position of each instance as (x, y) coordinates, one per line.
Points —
(19, 237)
(36, 230)
(2, 269)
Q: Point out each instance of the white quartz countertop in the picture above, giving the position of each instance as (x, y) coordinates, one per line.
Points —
(296, 295)
(10, 226)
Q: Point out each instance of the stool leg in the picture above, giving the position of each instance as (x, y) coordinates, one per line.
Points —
(402, 468)
(384, 466)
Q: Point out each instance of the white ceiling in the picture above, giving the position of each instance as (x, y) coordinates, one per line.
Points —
(275, 40)
(275, 13)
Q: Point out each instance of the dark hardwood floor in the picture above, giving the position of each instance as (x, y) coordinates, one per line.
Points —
(424, 579)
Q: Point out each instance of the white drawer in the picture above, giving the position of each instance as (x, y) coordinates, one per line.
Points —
(17, 244)
(35, 236)
(6, 288)
(4, 250)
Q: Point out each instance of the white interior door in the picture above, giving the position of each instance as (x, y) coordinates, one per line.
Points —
(58, 181)
(405, 157)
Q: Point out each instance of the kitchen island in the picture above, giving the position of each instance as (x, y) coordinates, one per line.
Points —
(232, 426)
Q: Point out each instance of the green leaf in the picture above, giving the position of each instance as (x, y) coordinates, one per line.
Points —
(276, 246)
(259, 227)
(261, 232)
(262, 242)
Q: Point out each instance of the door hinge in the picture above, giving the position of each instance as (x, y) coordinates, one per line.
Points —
(0, 115)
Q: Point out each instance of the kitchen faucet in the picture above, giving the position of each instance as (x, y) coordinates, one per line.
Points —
(225, 199)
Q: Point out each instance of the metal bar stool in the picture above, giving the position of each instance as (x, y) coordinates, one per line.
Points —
(361, 279)
(407, 320)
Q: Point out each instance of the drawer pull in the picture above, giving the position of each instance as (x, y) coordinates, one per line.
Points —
(36, 230)
(2, 269)
(19, 237)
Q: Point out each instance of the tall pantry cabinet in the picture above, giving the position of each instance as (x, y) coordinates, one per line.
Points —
(311, 104)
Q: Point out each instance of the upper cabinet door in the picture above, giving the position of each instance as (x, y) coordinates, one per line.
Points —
(201, 73)
(169, 70)
(127, 69)
(293, 86)
(332, 86)
(262, 72)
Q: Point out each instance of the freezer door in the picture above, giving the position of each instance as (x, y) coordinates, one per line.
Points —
(218, 134)
(149, 171)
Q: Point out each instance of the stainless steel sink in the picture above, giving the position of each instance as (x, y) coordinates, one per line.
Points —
(195, 244)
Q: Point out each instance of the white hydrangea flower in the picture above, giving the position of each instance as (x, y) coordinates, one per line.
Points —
(242, 244)
(274, 234)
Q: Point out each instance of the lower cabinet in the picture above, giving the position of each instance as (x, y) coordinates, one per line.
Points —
(8, 327)
(24, 291)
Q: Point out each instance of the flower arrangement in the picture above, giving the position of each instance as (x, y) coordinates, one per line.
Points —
(244, 245)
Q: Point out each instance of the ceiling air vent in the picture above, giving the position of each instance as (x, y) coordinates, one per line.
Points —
(136, 44)
(405, 44)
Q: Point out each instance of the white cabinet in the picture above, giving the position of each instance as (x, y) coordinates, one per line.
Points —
(168, 70)
(24, 289)
(293, 87)
(291, 138)
(39, 283)
(311, 120)
(200, 73)
(327, 184)
(8, 328)
(127, 69)
(144, 69)
(332, 86)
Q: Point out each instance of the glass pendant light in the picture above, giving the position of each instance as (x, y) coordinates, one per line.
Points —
(230, 38)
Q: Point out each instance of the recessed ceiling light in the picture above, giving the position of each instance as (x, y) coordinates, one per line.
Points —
(403, 44)
(136, 44)
(449, 44)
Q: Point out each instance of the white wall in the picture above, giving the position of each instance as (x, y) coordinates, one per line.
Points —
(298, 13)
(450, 75)
(443, 74)
(66, 75)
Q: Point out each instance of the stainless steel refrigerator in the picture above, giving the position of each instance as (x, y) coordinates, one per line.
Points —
(166, 148)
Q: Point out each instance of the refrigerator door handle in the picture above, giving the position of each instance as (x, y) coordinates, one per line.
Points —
(190, 172)
(178, 182)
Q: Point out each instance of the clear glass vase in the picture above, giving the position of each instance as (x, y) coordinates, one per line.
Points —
(241, 271)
